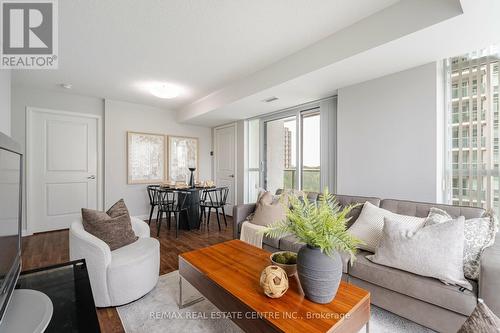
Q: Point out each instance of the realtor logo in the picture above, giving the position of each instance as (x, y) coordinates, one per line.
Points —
(29, 34)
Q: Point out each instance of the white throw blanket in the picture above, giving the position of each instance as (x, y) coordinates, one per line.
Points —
(252, 234)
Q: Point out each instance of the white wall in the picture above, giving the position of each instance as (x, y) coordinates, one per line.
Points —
(121, 117)
(5, 101)
(23, 97)
(389, 136)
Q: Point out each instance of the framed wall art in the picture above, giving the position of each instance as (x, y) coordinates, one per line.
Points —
(182, 155)
(145, 158)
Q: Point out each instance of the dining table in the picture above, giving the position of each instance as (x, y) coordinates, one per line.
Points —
(189, 219)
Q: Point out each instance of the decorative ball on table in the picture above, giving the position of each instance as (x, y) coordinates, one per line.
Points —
(274, 281)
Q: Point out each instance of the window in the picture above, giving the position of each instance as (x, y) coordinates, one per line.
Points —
(474, 87)
(473, 129)
(465, 89)
(454, 90)
(465, 111)
(465, 159)
(454, 138)
(292, 151)
(281, 152)
(455, 160)
(454, 114)
(311, 152)
(284, 149)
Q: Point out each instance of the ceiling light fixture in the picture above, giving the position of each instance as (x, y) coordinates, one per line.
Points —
(165, 90)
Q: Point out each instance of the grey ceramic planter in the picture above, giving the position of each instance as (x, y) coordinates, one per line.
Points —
(319, 274)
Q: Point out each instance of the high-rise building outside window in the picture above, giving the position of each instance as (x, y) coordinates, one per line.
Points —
(474, 147)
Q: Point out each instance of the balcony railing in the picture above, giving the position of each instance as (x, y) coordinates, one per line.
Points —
(310, 179)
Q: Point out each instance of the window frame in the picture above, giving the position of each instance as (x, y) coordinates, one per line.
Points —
(303, 115)
(248, 168)
(297, 112)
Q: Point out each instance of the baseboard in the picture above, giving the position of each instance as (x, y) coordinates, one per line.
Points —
(25, 233)
(142, 217)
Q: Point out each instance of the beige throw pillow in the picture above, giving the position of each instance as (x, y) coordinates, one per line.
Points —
(269, 209)
(112, 227)
(434, 251)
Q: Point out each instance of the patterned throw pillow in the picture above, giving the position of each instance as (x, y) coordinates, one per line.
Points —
(113, 227)
(368, 227)
(482, 320)
(479, 233)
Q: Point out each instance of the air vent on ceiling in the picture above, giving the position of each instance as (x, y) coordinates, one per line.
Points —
(270, 99)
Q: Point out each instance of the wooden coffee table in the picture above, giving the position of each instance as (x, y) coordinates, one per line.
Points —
(228, 273)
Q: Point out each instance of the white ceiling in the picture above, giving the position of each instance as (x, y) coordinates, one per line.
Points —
(229, 55)
(408, 34)
(109, 47)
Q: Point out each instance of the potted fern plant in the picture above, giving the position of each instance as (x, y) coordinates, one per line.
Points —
(322, 227)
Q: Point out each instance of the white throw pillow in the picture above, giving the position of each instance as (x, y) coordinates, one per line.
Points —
(433, 251)
(368, 227)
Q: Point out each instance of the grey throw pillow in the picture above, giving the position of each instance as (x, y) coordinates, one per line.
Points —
(433, 251)
(481, 320)
(479, 233)
(112, 227)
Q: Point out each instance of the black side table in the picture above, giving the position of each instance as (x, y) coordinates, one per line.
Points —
(68, 287)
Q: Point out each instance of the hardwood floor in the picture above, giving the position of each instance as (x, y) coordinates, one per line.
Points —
(53, 248)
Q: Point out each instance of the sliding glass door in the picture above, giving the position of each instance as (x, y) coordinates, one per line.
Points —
(311, 170)
(292, 151)
(281, 153)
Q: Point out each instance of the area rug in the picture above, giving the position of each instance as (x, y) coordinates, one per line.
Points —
(158, 312)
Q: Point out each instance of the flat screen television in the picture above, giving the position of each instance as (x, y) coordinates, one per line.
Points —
(11, 163)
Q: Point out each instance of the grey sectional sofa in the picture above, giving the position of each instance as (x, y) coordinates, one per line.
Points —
(426, 301)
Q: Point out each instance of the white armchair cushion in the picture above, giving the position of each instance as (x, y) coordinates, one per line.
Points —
(97, 255)
(134, 270)
(141, 228)
(121, 276)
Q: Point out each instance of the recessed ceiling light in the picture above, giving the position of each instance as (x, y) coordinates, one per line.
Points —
(165, 90)
(66, 85)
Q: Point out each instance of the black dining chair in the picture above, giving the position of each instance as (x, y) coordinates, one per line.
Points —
(213, 199)
(153, 199)
(171, 202)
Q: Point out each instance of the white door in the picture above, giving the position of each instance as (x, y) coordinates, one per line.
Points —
(62, 168)
(225, 166)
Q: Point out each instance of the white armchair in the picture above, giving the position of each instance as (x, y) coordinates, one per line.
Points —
(121, 276)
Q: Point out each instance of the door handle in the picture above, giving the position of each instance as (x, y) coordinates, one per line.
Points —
(91, 177)
(232, 176)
